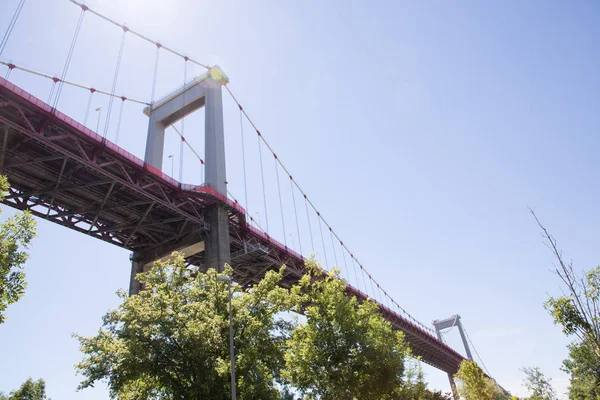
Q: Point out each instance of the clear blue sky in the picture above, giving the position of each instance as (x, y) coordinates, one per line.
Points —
(422, 131)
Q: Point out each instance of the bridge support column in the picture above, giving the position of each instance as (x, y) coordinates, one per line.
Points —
(137, 266)
(464, 340)
(190, 244)
(453, 387)
(217, 249)
(217, 241)
(448, 323)
(205, 91)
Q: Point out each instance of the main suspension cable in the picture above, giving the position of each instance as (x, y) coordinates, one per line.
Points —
(133, 32)
(12, 66)
(308, 201)
(475, 349)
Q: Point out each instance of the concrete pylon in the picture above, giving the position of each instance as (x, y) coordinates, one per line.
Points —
(204, 91)
(217, 251)
(449, 323)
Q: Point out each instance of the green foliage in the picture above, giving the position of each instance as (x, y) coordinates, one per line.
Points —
(584, 368)
(15, 237)
(578, 312)
(171, 340)
(414, 386)
(29, 390)
(434, 395)
(474, 385)
(565, 313)
(345, 349)
(538, 384)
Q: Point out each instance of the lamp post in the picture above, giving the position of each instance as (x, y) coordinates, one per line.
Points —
(171, 157)
(231, 350)
(259, 220)
(99, 111)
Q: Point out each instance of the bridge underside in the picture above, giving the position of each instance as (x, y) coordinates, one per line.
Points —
(63, 172)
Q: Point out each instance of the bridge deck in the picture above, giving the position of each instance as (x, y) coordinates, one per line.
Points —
(66, 173)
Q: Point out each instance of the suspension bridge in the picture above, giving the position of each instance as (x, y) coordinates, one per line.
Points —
(67, 172)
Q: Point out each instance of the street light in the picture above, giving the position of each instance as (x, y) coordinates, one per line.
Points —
(259, 220)
(99, 111)
(171, 157)
(231, 350)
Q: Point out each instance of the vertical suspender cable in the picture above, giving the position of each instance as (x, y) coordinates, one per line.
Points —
(346, 266)
(354, 269)
(372, 287)
(322, 240)
(119, 121)
(54, 80)
(11, 26)
(379, 291)
(333, 245)
(354, 260)
(387, 299)
(262, 175)
(244, 159)
(69, 56)
(8, 72)
(362, 274)
(158, 46)
(182, 123)
(280, 202)
(312, 243)
(114, 86)
(89, 103)
(384, 294)
(296, 214)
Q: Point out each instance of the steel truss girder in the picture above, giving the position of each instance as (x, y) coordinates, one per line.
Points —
(80, 182)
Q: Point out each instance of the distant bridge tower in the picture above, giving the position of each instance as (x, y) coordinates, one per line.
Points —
(449, 323)
(204, 91)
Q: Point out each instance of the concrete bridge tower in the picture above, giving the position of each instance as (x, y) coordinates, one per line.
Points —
(204, 91)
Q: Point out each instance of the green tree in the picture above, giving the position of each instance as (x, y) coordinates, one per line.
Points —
(578, 310)
(414, 386)
(345, 349)
(474, 385)
(538, 384)
(29, 390)
(171, 340)
(584, 369)
(436, 395)
(15, 237)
